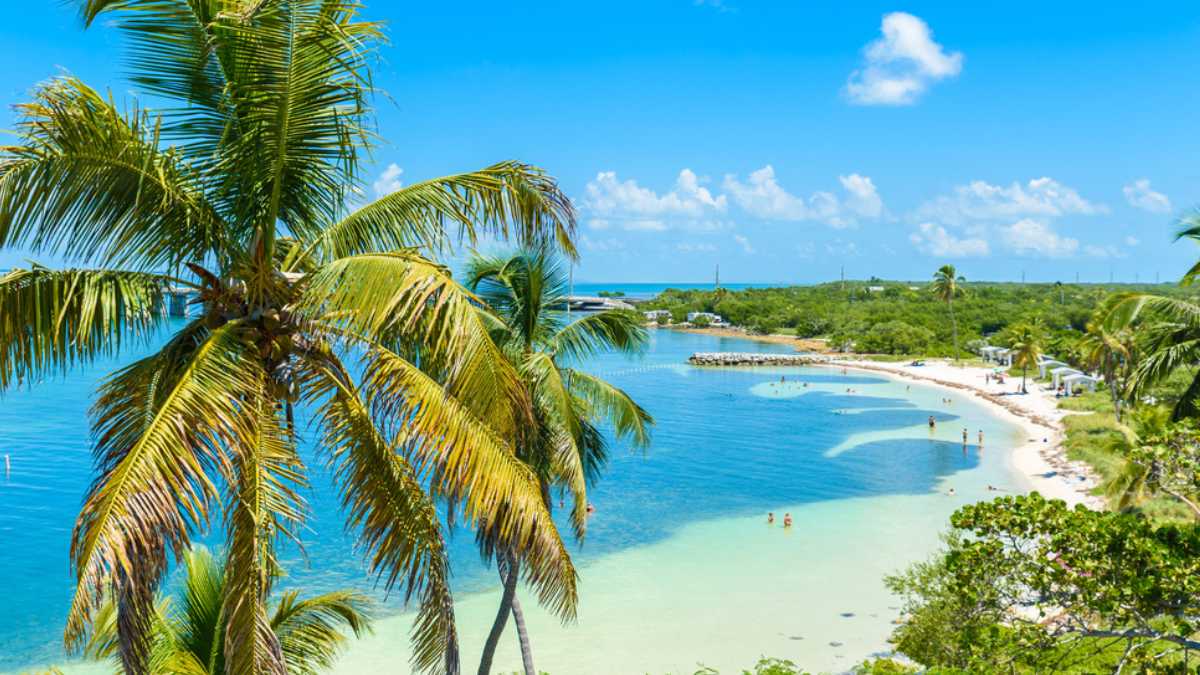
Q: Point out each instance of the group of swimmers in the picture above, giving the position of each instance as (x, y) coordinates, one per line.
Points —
(787, 519)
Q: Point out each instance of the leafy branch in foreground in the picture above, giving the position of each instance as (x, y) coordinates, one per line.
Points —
(1029, 585)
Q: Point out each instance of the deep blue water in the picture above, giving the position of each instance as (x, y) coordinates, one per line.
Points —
(718, 450)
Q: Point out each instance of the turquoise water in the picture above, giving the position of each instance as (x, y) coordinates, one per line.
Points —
(860, 471)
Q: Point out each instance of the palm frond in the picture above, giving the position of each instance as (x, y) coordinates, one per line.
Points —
(613, 405)
(160, 425)
(263, 507)
(468, 463)
(311, 629)
(610, 330)
(92, 184)
(403, 300)
(383, 498)
(509, 199)
(51, 320)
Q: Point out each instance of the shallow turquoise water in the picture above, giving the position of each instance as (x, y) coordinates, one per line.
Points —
(729, 446)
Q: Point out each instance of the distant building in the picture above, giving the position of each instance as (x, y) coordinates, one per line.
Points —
(653, 314)
(713, 319)
(874, 289)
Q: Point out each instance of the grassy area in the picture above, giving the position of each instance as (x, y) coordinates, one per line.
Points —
(1093, 435)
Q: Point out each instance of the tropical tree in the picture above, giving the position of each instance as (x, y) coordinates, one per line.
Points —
(564, 447)
(1030, 585)
(1162, 457)
(189, 634)
(1111, 352)
(946, 287)
(1026, 345)
(243, 189)
(1168, 338)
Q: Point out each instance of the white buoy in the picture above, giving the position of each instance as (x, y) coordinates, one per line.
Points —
(7, 466)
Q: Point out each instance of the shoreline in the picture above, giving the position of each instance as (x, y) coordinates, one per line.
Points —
(1041, 460)
(800, 344)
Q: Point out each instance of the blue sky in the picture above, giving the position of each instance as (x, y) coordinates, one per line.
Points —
(784, 140)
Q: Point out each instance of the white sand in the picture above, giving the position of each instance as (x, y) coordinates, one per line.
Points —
(1041, 460)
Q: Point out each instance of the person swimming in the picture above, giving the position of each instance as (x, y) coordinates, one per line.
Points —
(932, 422)
(770, 518)
(951, 492)
(591, 508)
(787, 520)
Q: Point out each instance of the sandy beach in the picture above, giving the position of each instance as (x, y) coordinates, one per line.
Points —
(1041, 459)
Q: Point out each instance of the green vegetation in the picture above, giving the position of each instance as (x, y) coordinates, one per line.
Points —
(611, 294)
(848, 313)
(187, 635)
(1027, 585)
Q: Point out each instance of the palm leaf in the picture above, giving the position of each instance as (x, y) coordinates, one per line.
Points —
(610, 330)
(629, 420)
(160, 426)
(92, 184)
(509, 199)
(403, 300)
(264, 506)
(310, 629)
(468, 463)
(52, 320)
(384, 499)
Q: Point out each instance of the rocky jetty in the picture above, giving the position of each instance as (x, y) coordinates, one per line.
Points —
(753, 359)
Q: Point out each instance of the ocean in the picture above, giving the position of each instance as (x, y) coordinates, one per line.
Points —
(679, 567)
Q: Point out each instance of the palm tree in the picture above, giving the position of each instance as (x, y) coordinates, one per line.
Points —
(242, 189)
(565, 447)
(1110, 351)
(1161, 457)
(189, 638)
(1168, 339)
(947, 285)
(1026, 343)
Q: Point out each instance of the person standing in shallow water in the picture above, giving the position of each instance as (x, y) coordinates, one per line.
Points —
(932, 423)
(770, 518)
(787, 520)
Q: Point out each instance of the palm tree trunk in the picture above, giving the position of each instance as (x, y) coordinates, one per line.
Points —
(1023, 389)
(523, 636)
(507, 566)
(953, 328)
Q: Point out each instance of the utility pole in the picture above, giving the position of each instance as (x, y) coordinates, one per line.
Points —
(717, 278)
(1077, 277)
(1022, 276)
(843, 278)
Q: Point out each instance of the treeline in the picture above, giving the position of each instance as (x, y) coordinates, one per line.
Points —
(904, 317)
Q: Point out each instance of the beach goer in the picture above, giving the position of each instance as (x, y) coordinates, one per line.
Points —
(770, 518)
(964, 436)
(932, 422)
(981, 438)
(952, 492)
(787, 520)
(591, 508)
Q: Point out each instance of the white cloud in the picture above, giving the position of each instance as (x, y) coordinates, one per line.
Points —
(980, 200)
(1035, 237)
(744, 243)
(1141, 196)
(1109, 251)
(838, 247)
(690, 247)
(934, 240)
(899, 66)
(388, 181)
(863, 198)
(633, 207)
(1132, 241)
(762, 196)
(601, 245)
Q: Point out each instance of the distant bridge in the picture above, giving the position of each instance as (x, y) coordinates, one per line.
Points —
(593, 303)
